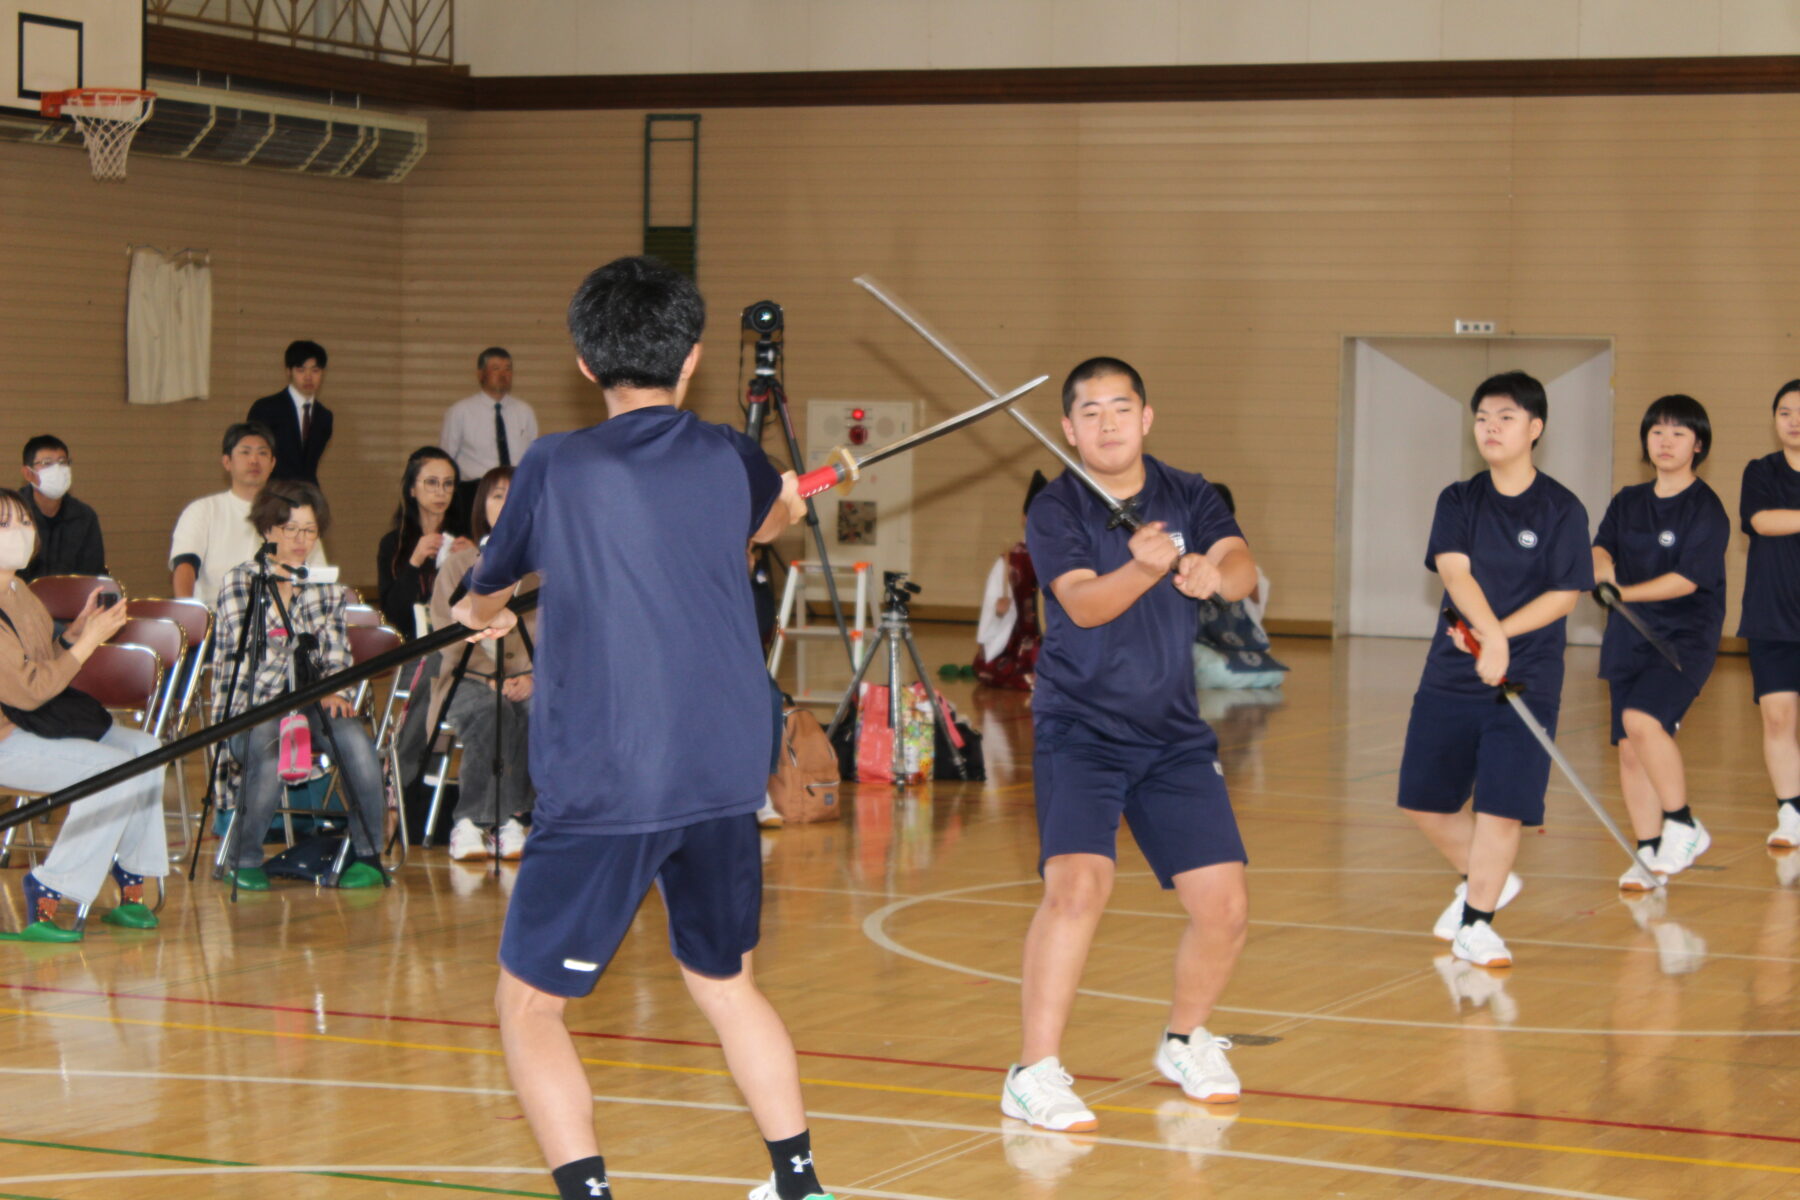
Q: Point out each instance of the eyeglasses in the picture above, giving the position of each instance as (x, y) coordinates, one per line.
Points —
(438, 485)
(298, 531)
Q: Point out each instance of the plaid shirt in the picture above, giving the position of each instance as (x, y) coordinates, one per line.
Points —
(317, 609)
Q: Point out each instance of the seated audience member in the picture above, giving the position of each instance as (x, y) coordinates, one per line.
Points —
(117, 831)
(1231, 651)
(68, 531)
(492, 428)
(478, 720)
(299, 420)
(293, 515)
(1008, 634)
(425, 532)
(214, 534)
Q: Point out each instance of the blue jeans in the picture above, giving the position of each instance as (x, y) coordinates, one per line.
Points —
(263, 785)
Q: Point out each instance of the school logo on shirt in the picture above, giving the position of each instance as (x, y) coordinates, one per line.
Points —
(1527, 538)
(1666, 538)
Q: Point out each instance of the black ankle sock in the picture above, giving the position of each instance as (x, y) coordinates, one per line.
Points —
(1651, 844)
(1178, 1037)
(792, 1160)
(1471, 914)
(1792, 802)
(581, 1179)
(1681, 816)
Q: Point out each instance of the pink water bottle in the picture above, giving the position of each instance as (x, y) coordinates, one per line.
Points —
(294, 760)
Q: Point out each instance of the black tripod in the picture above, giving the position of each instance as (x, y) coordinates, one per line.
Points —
(896, 630)
(765, 391)
(252, 647)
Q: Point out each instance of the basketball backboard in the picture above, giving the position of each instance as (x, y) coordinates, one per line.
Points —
(54, 45)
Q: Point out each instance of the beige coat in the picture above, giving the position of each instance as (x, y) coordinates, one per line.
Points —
(34, 669)
(481, 662)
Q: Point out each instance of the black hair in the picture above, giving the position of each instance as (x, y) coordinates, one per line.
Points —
(1684, 411)
(1226, 496)
(43, 441)
(406, 516)
(634, 321)
(492, 352)
(243, 429)
(1038, 483)
(298, 353)
(1792, 385)
(1093, 368)
(278, 500)
(1520, 388)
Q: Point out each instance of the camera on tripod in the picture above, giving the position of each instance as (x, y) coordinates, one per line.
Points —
(898, 589)
(765, 320)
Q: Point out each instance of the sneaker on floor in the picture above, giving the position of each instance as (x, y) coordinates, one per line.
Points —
(248, 879)
(766, 1191)
(1043, 1156)
(1681, 845)
(1042, 1095)
(1451, 918)
(1787, 826)
(1479, 944)
(1199, 1066)
(767, 816)
(468, 840)
(360, 875)
(1633, 880)
(512, 840)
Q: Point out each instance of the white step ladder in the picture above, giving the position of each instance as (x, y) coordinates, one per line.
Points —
(791, 622)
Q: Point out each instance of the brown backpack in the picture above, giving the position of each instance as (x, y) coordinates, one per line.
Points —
(805, 786)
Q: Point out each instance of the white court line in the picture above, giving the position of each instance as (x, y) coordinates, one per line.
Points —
(875, 929)
(910, 1123)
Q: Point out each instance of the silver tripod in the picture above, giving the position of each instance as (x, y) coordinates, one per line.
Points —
(896, 631)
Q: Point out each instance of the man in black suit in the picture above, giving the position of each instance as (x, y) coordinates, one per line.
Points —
(301, 424)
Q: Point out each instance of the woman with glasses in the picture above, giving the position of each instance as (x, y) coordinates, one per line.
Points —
(426, 531)
(292, 514)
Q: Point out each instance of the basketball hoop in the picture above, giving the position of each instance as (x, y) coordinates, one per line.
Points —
(107, 118)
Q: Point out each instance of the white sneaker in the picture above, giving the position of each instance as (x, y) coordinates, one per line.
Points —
(1681, 845)
(1042, 1095)
(767, 1191)
(1043, 1156)
(1450, 920)
(1482, 989)
(767, 816)
(1199, 1066)
(1633, 880)
(467, 840)
(512, 839)
(1479, 944)
(1787, 826)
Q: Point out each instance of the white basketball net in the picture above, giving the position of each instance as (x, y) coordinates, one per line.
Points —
(108, 121)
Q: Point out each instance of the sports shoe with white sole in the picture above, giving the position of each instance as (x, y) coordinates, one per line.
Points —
(1633, 880)
(512, 840)
(766, 1191)
(1479, 944)
(467, 840)
(1450, 920)
(768, 816)
(1681, 845)
(1042, 1095)
(1787, 826)
(1199, 1066)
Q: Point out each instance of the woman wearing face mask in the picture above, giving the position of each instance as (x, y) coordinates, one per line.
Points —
(292, 514)
(426, 530)
(119, 830)
(69, 540)
(474, 715)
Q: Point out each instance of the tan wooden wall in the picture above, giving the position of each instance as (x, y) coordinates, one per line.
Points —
(1227, 249)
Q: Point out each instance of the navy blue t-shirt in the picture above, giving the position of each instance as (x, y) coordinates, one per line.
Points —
(1132, 679)
(1772, 574)
(652, 707)
(1519, 547)
(1650, 536)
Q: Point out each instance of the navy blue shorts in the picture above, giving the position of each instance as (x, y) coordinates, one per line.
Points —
(1657, 691)
(1173, 797)
(1458, 745)
(577, 894)
(1774, 667)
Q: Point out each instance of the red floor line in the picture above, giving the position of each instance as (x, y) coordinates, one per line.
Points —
(911, 1062)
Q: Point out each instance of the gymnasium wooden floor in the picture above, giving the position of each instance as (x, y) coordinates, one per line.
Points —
(306, 1044)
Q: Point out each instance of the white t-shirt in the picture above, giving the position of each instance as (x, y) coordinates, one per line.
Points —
(217, 530)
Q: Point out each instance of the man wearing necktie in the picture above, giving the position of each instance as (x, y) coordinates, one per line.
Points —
(492, 428)
(300, 422)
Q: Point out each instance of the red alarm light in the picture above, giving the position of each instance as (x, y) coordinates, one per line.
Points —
(856, 414)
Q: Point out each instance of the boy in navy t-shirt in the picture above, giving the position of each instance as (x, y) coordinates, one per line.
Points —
(1511, 545)
(1662, 544)
(653, 724)
(1769, 505)
(1119, 733)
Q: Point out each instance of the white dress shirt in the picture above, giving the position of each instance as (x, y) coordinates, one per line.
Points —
(469, 433)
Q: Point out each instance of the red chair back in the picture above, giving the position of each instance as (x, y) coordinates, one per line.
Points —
(194, 617)
(123, 678)
(361, 616)
(164, 637)
(366, 642)
(65, 595)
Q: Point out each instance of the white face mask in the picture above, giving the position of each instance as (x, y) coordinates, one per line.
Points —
(53, 480)
(16, 544)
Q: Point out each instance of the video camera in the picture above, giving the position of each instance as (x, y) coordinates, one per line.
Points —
(765, 319)
(898, 590)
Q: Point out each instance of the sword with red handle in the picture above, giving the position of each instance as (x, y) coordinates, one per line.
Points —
(842, 468)
(1509, 692)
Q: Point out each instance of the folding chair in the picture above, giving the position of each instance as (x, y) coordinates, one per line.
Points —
(366, 643)
(169, 641)
(196, 622)
(128, 681)
(361, 616)
(65, 595)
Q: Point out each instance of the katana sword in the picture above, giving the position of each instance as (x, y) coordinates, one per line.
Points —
(843, 468)
(1122, 514)
(1509, 692)
(1608, 596)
